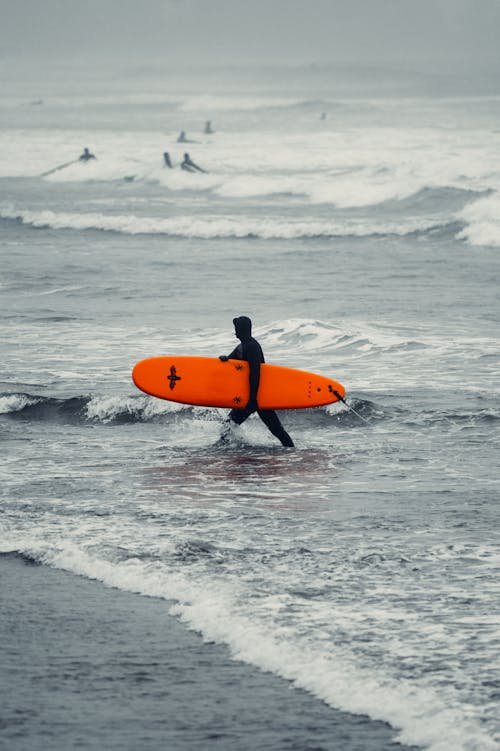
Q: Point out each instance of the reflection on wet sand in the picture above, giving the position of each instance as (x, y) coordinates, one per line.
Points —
(299, 480)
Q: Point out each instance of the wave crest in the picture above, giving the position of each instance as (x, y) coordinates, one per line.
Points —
(95, 408)
(483, 221)
(210, 227)
(12, 403)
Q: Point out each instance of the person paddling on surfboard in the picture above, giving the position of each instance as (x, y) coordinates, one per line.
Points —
(250, 350)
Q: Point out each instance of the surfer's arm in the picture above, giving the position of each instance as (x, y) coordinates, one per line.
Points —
(254, 361)
(234, 355)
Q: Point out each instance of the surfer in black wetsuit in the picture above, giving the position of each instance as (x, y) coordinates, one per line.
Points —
(250, 350)
(188, 165)
(166, 159)
(182, 138)
(86, 155)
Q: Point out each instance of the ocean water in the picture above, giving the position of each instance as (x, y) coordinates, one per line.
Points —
(362, 566)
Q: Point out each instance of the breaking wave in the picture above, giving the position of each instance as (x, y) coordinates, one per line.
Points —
(102, 409)
(120, 410)
(210, 227)
(483, 221)
(126, 410)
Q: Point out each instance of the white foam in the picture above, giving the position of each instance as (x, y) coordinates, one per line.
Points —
(345, 166)
(16, 402)
(209, 226)
(254, 185)
(106, 408)
(483, 221)
(299, 334)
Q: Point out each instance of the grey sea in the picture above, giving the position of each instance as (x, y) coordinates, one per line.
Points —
(161, 589)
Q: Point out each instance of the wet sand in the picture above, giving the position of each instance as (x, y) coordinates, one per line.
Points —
(89, 667)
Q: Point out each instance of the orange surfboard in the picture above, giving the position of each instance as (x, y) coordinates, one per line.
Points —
(208, 382)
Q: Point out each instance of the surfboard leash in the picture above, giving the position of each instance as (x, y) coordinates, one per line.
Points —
(341, 398)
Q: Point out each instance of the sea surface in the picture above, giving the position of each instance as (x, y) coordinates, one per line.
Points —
(363, 565)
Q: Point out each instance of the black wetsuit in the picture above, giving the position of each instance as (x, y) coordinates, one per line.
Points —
(250, 350)
(189, 165)
(86, 156)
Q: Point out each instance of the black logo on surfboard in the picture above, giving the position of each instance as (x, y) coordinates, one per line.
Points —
(173, 377)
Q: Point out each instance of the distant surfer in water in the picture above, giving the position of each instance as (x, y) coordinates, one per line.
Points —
(86, 155)
(208, 127)
(167, 160)
(182, 138)
(188, 165)
(250, 350)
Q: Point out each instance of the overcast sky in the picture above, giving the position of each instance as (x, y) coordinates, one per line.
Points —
(210, 32)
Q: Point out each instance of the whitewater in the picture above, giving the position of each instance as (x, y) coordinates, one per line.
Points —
(362, 566)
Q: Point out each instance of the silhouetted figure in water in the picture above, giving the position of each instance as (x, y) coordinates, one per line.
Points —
(250, 350)
(188, 165)
(86, 155)
(208, 127)
(323, 116)
(182, 138)
(166, 159)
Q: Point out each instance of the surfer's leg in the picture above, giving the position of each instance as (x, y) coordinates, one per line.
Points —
(272, 421)
(239, 415)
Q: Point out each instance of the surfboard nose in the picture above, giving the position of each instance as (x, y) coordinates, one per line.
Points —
(139, 373)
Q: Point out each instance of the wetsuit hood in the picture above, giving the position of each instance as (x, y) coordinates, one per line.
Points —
(242, 327)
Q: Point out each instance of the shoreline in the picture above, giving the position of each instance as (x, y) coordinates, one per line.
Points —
(87, 666)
